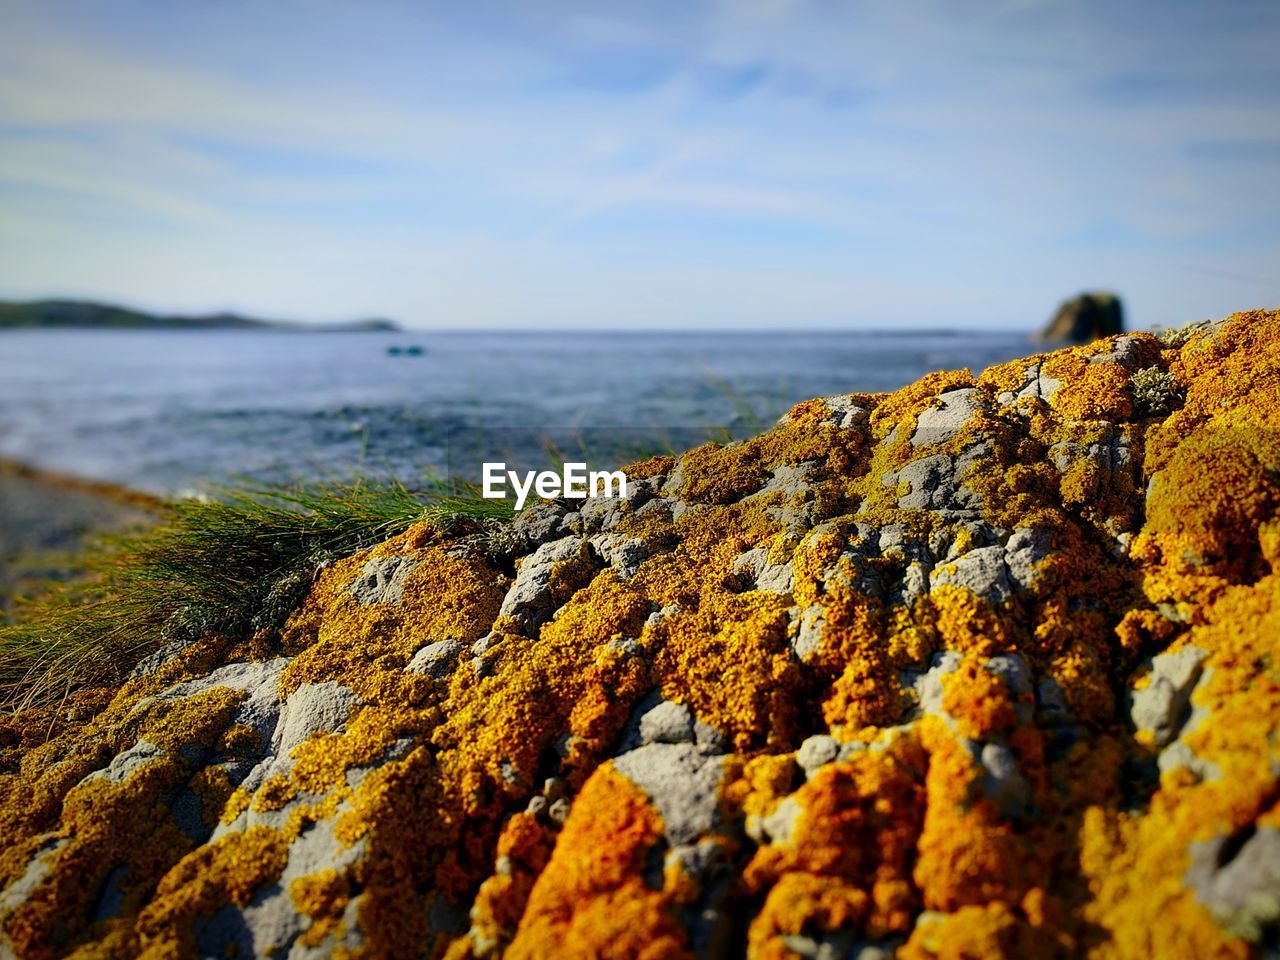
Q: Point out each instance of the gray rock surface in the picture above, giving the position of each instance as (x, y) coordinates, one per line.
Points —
(1179, 755)
(124, 764)
(982, 570)
(845, 413)
(1238, 880)
(946, 418)
(312, 708)
(626, 646)
(259, 680)
(1111, 454)
(667, 722)
(623, 554)
(1023, 552)
(808, 635)
(926, 686)
(270, 919)
(1012, 668)
(661, 614)
(935, 483)
(538, 523)
(1003, 781)
(1126, 351)
(529, 600)
(842, 945)
(816, 751)
(382, 580)
(435, 659)
(780, 824)
(709, 864)
(683, 782)
(1161, 707)
(1037, 385)
(995, 571)
(654, 719)
(764, 574)
(603, 514)
(787, 479)
(20, 890)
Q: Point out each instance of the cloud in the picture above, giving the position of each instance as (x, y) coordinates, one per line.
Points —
(507, 163)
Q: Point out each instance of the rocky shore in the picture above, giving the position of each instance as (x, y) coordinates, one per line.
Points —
(986, 667)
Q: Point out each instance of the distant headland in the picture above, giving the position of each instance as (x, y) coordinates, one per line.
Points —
(85, 314)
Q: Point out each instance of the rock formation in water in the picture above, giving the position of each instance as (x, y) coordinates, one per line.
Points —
(986, 667)
(1086, 318)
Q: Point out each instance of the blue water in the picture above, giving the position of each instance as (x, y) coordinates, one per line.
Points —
(174, 411)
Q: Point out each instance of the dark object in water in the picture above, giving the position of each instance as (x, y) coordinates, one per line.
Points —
(1086, 318)
(410, 351)
(394, 351)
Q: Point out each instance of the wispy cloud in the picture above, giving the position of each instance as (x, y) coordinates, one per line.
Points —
(504, 163)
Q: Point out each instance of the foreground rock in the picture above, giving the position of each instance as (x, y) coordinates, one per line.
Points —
(987, 667)
(1086, 318)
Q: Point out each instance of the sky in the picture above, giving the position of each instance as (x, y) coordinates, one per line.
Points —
(564, 164)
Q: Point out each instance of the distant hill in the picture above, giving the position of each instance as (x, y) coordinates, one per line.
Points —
(101, 316)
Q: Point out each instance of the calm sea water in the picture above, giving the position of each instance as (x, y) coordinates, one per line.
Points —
(174, 411)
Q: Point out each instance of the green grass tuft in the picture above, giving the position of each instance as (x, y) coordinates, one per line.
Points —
(233, 565)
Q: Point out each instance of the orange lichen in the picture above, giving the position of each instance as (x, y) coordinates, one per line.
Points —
(591, 900)
(733, 665)
(979, 700)
(848, 855)
(1090, 390)
(967, 853)
(523, 851)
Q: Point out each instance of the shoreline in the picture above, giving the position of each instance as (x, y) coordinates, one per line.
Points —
(47, 519)
(72, 483)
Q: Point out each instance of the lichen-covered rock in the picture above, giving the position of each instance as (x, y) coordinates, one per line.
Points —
(986, 667)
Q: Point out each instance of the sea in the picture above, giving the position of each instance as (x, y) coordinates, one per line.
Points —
(184, 412)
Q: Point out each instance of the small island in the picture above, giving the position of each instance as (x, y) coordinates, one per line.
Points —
(88, 315)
